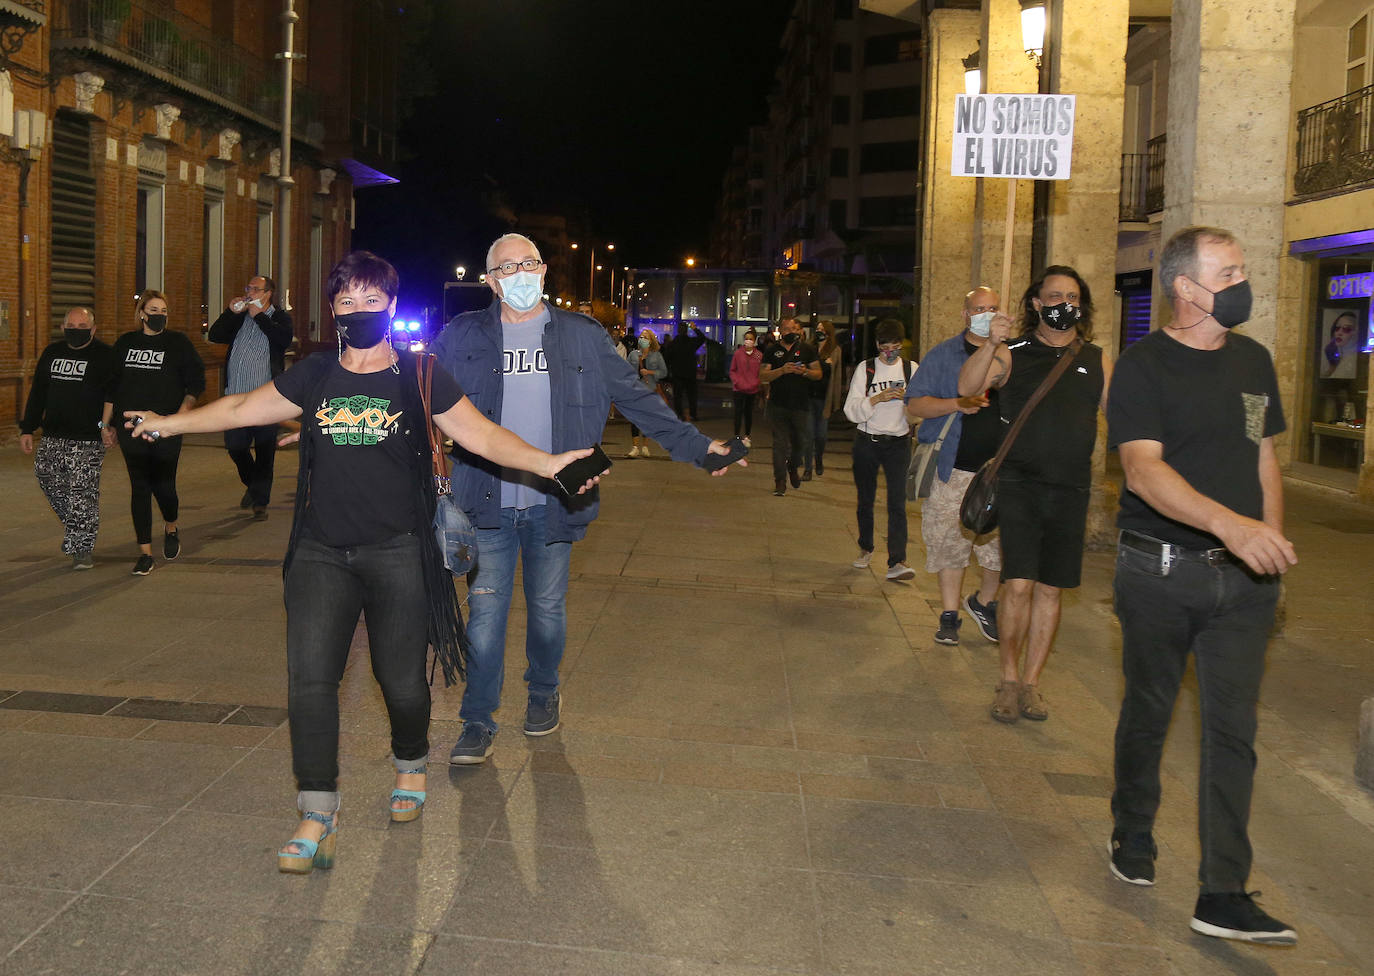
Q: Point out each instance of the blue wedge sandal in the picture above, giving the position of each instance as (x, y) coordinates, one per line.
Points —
(401, 813)
(301, 855)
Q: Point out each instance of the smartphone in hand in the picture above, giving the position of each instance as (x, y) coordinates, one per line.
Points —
(577, 474)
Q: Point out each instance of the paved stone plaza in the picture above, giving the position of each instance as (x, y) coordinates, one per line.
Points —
(766, 763)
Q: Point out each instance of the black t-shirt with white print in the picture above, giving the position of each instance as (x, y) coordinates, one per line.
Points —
(362, 467)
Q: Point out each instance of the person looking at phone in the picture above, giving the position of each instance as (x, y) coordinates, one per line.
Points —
(883, 441)
(257, 333)
(551, 376)
(787, 367)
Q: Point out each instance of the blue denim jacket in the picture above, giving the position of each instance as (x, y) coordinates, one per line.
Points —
(939, 377)
(585, 377)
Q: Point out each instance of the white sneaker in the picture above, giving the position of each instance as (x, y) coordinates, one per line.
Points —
(634, 452)
(745, 441)
(644, 451)
(864, 559)
(901, 571)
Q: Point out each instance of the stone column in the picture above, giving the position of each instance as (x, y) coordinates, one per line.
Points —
(1230, 86)
(1007, 70)
(947, 227)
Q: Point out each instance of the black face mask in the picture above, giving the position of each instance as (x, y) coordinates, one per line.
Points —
(156, 323)
(76, 338)
(363, 330)
(1061, 317)
(1231, 305)
(789, 339)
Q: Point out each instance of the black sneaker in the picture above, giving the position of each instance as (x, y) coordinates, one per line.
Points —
(260, 513)
(1133, 857)
(82, 560)
(541, 715)
(1234, 915)
(984, 615)
(246, 500)
(473, 746)
(171, 545)
(144, 566)
(949, 628)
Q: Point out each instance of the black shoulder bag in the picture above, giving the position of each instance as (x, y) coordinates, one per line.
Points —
(978, 512)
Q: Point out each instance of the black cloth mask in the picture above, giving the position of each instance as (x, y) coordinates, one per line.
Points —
(156, 323)
(76, 338)
(789, 339)
(1061, 317)
(1231, 305)
(363, 330)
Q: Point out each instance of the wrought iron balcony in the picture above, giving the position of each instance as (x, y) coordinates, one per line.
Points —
(1336, 144)
(1142, 181)
(184, 53)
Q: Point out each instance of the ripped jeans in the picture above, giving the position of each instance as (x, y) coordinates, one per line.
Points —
(523, 532)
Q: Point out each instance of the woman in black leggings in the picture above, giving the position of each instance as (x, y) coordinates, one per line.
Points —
(160, 371)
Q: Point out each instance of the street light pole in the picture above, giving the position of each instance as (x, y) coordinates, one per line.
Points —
(284, 180)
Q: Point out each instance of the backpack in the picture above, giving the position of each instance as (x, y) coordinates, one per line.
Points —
(871, 365)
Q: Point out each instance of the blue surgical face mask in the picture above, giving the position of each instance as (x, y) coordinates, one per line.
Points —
(522, 290)
(643, 343)
(981, 324)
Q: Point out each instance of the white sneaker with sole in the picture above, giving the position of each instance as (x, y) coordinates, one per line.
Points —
(864, 559)
(634, 452)
(901, 571)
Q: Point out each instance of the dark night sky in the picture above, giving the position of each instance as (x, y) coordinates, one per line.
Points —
(622, 110)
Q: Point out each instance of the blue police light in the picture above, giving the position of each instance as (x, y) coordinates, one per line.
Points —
(398, 326)
(413, 327)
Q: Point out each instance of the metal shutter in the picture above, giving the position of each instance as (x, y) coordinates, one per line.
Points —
(72, 279)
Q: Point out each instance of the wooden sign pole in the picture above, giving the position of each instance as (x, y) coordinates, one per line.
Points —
(1005, 294)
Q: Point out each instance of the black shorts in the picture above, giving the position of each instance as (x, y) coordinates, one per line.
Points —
(1042, 530)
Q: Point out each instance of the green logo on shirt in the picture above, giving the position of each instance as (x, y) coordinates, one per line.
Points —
(357, 420)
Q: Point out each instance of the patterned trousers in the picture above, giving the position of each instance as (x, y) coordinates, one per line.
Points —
(69, 473)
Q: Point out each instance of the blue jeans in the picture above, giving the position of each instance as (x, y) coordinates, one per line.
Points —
(1221, 615)
(490, 586)
(326, 589)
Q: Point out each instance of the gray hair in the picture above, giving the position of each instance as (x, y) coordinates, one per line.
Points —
(491, 251)
(1180, 254)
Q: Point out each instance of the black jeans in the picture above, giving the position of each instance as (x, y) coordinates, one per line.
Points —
(685, 386)
(326, 589)
(253, 451)
(790, 430)
(152, 474)
(1221, 614)
(744, 412)
(892, 456)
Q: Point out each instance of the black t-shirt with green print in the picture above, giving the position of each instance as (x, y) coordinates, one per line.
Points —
(362, 465)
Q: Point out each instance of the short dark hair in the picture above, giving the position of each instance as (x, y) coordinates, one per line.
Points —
(889, 330)
(362, 269)
(1179, 256)
(1031, 318)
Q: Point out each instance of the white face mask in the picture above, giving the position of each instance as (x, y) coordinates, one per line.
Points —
(981, 324)
(521, 291)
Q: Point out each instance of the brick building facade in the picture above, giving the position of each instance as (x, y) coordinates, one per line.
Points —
(140, 148)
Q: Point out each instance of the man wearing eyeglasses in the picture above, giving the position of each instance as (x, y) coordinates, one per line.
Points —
(551, 376)
(257, 333)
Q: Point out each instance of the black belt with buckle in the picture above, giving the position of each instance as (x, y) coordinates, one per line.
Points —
(1167, 553)
(886, 437)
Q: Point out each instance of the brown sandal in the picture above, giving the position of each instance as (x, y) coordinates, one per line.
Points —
(1004, 706)
(1032, 704)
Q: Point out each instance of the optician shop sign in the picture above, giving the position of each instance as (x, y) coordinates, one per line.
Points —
(1351, 286)
(1013, 136)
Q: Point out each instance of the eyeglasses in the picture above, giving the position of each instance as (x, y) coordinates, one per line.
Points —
(507, 268)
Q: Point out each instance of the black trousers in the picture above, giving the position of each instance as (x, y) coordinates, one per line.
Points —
(790, 430)
(152, 474)
(892, 457)
(326, 589)
(1222, 616)
(253, 451)
(685, 386)
(744, 412)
